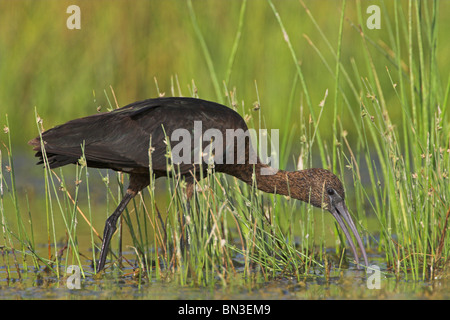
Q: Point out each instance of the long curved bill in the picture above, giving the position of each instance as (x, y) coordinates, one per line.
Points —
(340, 213)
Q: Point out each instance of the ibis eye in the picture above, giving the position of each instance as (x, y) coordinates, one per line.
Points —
(330, 191)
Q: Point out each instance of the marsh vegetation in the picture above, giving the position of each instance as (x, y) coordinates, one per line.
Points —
(369, 105)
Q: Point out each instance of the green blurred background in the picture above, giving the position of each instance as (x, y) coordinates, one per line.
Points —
(125, 45)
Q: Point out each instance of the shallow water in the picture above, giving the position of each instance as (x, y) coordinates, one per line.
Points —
(349, 283)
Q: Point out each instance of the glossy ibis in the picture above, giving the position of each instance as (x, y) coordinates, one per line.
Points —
(119, 140)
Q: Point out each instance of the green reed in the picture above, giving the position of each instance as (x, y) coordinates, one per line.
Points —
(408, 161)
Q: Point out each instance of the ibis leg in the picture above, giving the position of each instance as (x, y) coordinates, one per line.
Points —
(110, 228)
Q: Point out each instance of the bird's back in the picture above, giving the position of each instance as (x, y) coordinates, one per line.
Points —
(120, 139)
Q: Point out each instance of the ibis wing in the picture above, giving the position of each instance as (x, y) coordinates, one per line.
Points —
(120, 139)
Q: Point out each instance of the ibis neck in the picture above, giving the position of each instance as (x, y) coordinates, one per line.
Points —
(271, 180)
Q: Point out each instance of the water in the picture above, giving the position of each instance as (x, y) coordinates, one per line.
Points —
(348, 283)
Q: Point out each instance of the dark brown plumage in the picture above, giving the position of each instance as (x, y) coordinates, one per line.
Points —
(120, 140)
